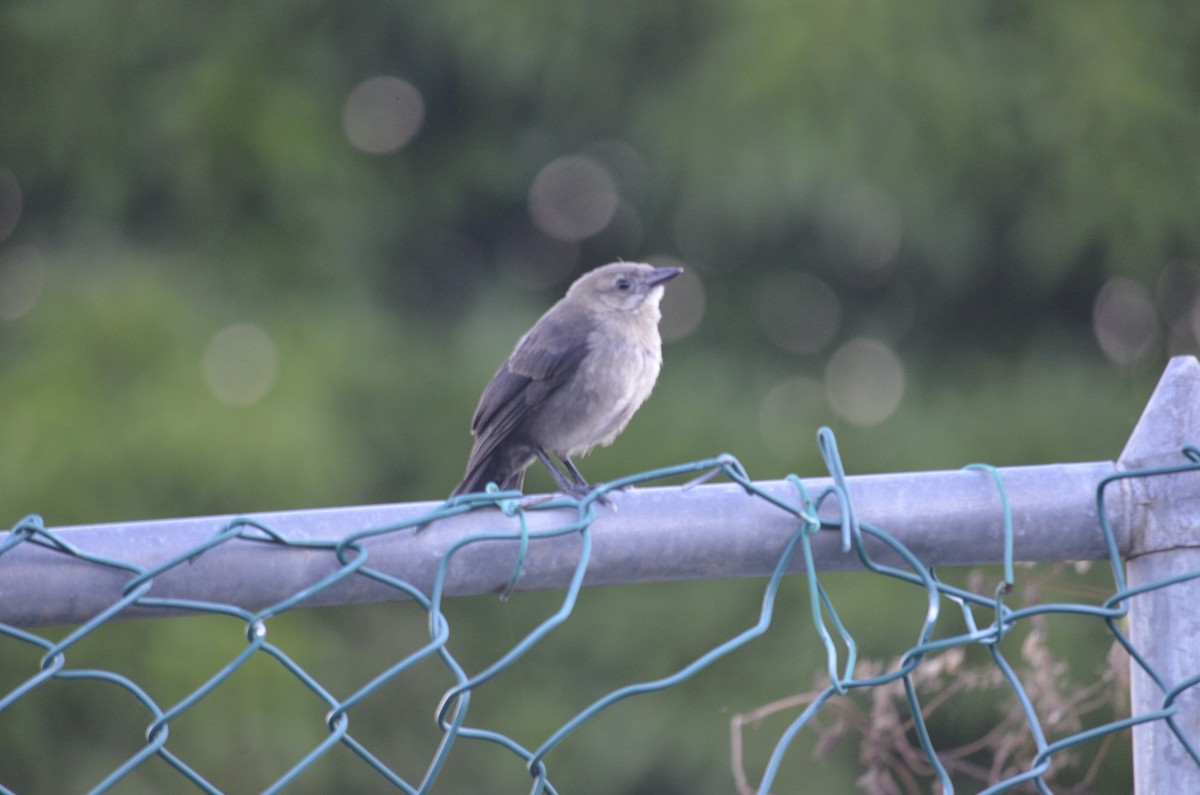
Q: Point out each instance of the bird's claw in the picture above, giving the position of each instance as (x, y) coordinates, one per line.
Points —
(581, 491)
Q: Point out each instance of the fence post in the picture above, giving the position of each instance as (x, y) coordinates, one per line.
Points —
(1164, 623)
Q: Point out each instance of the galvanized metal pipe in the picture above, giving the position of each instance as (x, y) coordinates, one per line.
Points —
(648, 535)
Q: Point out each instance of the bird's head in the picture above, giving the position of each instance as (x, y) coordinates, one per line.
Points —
(622, 287)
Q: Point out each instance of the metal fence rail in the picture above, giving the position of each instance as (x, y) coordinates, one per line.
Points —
(1143, 509)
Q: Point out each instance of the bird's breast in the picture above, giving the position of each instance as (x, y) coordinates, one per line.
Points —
(613, 380)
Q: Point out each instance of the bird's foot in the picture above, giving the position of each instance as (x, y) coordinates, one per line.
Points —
(580, 491)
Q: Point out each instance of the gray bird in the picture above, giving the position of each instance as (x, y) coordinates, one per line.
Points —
(573, 381)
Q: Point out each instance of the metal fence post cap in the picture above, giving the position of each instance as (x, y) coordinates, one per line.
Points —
(1166, 509)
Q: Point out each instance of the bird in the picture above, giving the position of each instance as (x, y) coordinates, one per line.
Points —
(573, 381)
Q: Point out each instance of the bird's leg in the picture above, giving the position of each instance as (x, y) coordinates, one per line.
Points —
(566, 482)
(573, 470)
(570, 482)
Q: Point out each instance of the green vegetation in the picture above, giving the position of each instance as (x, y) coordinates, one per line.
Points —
(1003, 195)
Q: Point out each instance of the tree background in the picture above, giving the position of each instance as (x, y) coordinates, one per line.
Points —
(266, 255)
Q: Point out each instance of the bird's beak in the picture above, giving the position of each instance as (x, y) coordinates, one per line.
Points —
(663, 275)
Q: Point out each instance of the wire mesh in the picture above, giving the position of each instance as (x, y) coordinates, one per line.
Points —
(843, 673)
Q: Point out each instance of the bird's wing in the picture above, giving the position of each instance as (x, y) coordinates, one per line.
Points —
(545, 359)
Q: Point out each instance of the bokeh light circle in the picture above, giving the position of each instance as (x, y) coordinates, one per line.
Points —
(798, 312)
(572, 198)
(785, 416)
(382, 114)
(22, 280)
(864, 381)
(683, 300)
(240, 364)
(1124, 321)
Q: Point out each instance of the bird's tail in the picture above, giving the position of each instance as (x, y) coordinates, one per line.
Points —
(492, 468)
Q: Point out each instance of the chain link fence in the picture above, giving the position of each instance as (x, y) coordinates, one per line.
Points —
(962, 644)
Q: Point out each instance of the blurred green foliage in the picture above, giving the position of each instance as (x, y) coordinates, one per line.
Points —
(964, 177)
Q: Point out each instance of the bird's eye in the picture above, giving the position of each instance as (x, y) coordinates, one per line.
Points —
(624, 284)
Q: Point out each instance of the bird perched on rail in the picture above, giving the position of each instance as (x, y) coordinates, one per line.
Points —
(573, 381)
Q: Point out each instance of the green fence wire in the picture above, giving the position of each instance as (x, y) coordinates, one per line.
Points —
(452, 714)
